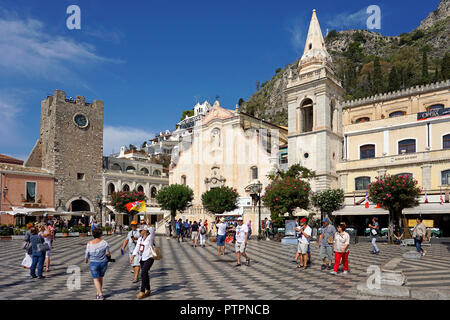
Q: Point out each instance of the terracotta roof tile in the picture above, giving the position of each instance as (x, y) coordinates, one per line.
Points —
(7, 159)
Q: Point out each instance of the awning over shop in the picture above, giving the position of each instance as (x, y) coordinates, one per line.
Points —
(360, 211)
(429, 208)
(298, 213)
(75, 213)
(111, 209)
(228, 215)
(154, 211)
(31, 211)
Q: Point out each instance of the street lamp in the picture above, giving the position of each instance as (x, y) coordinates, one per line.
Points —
(256, 189)
(98, 198)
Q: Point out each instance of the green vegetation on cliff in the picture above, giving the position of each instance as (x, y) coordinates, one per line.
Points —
(367, 64)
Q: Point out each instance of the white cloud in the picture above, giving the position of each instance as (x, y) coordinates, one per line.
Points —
(9, 129)
(115, 137)
(347, 20)
(104, 34)
(298, 30)
(26, 47)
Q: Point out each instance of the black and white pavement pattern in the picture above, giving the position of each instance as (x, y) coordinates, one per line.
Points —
(187, 273)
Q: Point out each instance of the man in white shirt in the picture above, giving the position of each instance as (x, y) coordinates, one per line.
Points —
(303, 241)
(221, 231)
(241, 242)
(267, 226)
(131, 240)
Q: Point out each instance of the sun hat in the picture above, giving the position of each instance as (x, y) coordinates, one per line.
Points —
(133, 222)
(222, 219)
(326, 219)
(240, 219)
(303, 220)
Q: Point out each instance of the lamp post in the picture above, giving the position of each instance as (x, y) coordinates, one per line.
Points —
(100, 205)
(256, 189)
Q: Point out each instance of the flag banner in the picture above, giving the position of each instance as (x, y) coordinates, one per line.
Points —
(426, 198)
(138, 206)
(378, 206)
(442, 200)
(367, 201)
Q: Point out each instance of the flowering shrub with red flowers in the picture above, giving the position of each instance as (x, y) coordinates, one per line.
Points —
(121, 198)
(395, 192)
(284, 195)
(220, 200)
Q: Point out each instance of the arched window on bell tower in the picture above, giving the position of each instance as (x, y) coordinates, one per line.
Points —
(332, 107)
(307, 115)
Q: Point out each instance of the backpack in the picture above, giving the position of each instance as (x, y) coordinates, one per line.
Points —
(203, 230)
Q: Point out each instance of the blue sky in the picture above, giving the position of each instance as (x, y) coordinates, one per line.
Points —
(150, 60)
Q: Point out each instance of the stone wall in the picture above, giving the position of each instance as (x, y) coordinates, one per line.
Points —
(68, 150)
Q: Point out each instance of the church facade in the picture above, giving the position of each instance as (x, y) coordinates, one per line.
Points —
(226, 148)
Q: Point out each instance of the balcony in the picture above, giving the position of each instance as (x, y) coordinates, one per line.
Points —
(27, 203)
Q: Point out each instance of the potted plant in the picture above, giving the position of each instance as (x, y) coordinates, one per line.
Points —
(83, 231)
(108, 230)
(65, 232)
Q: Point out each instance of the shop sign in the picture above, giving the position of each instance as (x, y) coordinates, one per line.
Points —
(433, 113)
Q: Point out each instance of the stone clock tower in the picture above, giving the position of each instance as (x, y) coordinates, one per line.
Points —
(314, 100)
(71, 148)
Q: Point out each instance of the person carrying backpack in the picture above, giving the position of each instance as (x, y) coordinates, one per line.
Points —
(203, 231)
(179, 231)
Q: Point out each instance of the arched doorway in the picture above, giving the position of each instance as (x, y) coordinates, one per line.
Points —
(80, 205)
(126, 187)
(140, 188)
(76, 206)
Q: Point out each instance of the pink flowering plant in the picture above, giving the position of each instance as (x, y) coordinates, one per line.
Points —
(285, 194)
(121, 198)
(395, 193)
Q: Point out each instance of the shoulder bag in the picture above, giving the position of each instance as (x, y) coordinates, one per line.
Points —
(330, 240)
(156, 253)
(43, 247)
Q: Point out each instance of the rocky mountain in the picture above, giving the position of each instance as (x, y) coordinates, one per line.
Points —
(359, 48)
(442, 12)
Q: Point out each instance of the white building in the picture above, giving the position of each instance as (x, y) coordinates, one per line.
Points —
(133, 173)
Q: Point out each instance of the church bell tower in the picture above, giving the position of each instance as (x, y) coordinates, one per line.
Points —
(314, 98)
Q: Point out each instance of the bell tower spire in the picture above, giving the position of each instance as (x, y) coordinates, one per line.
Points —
(315, 54)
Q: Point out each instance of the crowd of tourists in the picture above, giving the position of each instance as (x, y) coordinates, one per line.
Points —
(195, 231)
(333, 244)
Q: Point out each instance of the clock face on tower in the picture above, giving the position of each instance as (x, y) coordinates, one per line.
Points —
(80, 120)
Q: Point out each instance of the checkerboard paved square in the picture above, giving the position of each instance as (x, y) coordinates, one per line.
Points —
(198, 273)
